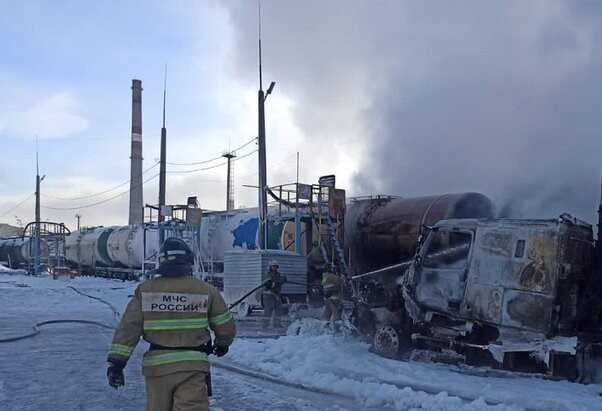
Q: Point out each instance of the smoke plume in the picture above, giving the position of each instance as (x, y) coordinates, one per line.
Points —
(495, 97)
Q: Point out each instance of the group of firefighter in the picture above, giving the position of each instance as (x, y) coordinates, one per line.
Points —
(175, 313)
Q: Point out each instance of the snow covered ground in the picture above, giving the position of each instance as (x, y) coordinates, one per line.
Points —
(345, 366)
(63, 368)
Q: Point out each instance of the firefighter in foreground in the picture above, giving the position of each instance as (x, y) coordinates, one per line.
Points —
(174, 313)
(332, 287)
(272, 296)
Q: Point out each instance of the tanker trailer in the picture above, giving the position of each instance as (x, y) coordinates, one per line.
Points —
(382, 231)
(130, 246)
(87, 248)
(18, 252)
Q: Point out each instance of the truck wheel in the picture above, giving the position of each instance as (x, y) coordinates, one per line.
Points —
(387, 342)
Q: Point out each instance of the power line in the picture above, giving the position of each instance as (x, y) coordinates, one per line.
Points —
(17, 206)
(101, 201)
(99, 193)
(211, 167)
(195, 163)
(84, 197)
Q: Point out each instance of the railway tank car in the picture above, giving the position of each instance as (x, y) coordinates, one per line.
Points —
(129, 246)
(18, 252)
(239, 229)
(88, 248)
(111, 247)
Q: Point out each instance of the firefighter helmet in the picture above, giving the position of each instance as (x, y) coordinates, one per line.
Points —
(175, 251)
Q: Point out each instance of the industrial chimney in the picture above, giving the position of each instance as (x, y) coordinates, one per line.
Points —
(136, 201)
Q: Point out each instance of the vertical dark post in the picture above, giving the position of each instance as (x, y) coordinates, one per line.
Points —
(36, 268)
(599, 239)
(136, 201)
(263, 206)
(297, 217)
(162, 166)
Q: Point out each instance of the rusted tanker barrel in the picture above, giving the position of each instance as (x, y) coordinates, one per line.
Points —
(383, 231)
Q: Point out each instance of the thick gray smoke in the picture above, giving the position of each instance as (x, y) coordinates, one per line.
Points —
(500, 98)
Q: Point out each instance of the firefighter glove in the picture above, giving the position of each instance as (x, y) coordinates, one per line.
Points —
(220, 350)
(115, 376)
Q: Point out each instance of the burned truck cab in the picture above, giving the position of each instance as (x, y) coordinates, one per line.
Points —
(501, 285)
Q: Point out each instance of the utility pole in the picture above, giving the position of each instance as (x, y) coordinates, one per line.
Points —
(263, 200)
(229, 181)
(162, 166)
(78, 216)
(37, 242)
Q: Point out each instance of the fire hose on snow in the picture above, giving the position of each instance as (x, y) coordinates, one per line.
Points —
(219, 363)
(241, 299)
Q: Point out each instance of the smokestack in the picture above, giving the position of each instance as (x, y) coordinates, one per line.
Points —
(136, 201)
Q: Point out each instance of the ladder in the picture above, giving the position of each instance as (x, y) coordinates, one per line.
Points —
(336, 245)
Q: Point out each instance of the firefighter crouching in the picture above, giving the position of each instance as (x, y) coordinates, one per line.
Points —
(174, 313)
(332, 287)
(272, 296)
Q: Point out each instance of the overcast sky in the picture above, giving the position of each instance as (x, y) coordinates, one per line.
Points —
(407, 98)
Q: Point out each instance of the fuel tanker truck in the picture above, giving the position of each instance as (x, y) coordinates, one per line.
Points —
(439, 279)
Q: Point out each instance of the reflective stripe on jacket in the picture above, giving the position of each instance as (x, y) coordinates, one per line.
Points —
(173, 312)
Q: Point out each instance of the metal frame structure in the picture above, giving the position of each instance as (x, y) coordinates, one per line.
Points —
(317, 205)
(54, 235)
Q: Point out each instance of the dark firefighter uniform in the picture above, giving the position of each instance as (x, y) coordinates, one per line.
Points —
(174, 313)
(332, 287)
(272, 296)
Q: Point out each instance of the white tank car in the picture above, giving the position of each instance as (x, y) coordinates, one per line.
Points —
(125, 245)
(239, 229)
(88, 248)
(222, 231)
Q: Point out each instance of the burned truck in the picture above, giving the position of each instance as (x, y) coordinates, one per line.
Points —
(515, 294)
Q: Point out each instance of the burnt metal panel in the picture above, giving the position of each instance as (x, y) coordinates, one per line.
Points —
(483, 302)
(527, 310)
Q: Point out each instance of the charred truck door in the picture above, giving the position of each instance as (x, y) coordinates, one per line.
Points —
(442, 270)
